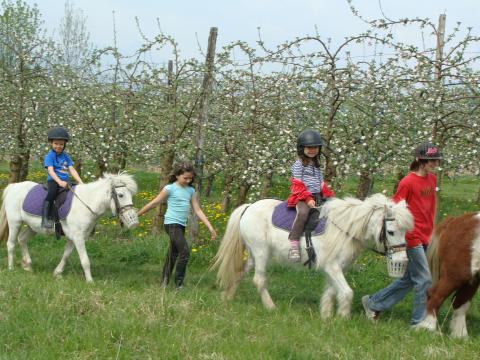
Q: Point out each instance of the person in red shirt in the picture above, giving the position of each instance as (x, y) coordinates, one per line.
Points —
(418, 189)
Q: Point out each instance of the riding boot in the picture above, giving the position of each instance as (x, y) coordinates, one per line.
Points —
(46, 222)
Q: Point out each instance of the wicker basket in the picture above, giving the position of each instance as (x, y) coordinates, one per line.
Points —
(397, 264)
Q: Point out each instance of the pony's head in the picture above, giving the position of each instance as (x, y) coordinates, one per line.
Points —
(389, 223)
(121, 191)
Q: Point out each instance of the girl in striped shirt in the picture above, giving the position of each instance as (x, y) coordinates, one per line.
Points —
(307, 186)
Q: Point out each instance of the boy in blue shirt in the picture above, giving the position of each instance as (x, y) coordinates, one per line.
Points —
(58, 165)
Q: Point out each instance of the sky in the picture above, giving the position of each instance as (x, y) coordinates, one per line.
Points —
(189, 21)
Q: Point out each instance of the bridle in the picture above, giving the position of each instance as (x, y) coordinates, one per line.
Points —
(119, 209)
(383, 238)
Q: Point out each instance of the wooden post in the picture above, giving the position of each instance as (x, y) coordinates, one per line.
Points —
(438, 76)
(438, 61)
(167, 157)
(204, 101)
(202, 121)
(440, 44)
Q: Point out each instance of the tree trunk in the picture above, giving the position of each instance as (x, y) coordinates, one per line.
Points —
(19, 167)
(193, 228)
(330, 171)
(78, 166)
(209, 185)
(15, 168)
(267, 185)
(400, 175)
(101, 167)
(365, 184)
(242, 194)
(166, 166)
(24, 166)
(227, 195)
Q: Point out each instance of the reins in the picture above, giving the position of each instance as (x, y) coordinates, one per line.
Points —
(83, 202)
(346, 232)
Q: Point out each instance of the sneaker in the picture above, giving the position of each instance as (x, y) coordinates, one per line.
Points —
(370, 314)
(294, 254)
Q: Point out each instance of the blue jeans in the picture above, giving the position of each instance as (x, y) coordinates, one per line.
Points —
(417, 276)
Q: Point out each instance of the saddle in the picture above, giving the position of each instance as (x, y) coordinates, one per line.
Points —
(32, 204)
(284, 216)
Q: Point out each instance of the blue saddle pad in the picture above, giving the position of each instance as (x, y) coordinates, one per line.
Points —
(33, 202)
(283, 217)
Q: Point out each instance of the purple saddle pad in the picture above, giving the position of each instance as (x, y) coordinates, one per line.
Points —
(33, 202)
(283, 217)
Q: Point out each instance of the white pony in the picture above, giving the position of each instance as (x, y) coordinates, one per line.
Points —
(90, 201)
(350, 223)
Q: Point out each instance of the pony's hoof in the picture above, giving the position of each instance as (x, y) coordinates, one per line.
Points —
(270, 307)
(26, 266)
(325, 315)
(344, 316)
(57, 275)
(463, 336)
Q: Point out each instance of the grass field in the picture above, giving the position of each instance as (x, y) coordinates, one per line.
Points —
(126, 315)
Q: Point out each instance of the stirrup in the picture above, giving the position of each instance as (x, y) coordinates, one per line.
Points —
(294, 255)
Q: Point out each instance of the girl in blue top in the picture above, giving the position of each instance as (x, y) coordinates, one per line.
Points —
(179, 194)
(58, 165)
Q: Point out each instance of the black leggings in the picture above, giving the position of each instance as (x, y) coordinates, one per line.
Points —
(178, 249)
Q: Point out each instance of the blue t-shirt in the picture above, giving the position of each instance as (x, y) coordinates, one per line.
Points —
(60, 162)
(178, 203)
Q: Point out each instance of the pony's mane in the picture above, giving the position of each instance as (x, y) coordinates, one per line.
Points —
(122, 178)
(350, 217)
(353, 214)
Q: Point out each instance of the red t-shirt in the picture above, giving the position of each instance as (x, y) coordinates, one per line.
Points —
(419, 193)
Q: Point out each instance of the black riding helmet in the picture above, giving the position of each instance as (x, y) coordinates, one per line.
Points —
(308, 138)
(58, 133)
(428, 151)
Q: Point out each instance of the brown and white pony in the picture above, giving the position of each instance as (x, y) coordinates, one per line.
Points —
(454, 260)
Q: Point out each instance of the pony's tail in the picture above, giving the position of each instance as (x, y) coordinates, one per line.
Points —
(3, 218)
(432, 257)
(229, 259)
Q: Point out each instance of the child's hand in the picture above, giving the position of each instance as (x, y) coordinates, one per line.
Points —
(63, 184)
(213, 233)
(311, 203)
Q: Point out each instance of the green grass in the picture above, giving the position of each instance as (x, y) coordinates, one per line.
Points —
(126, 315)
